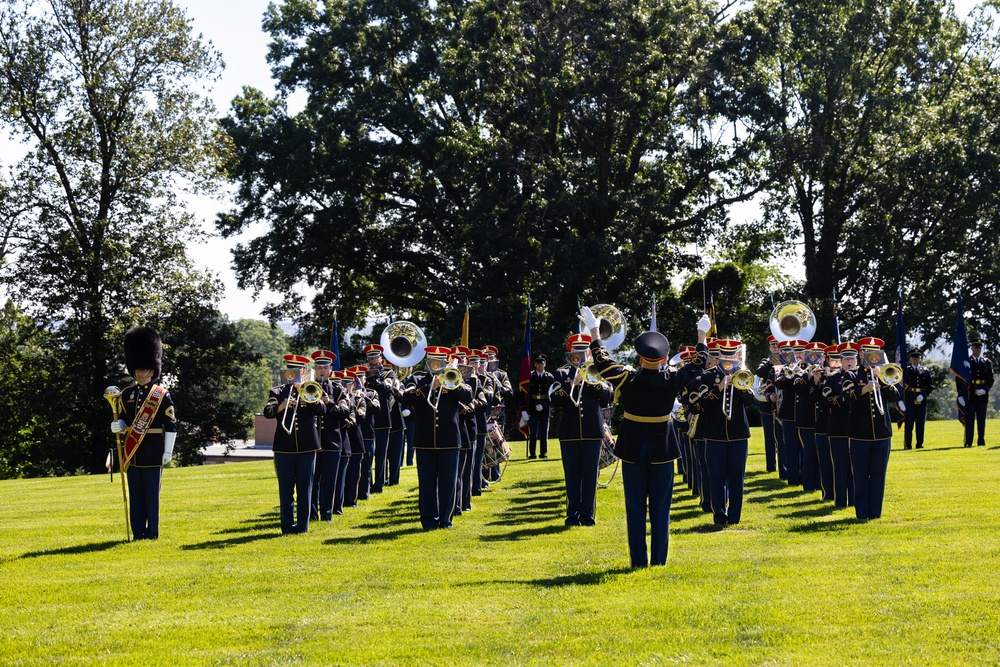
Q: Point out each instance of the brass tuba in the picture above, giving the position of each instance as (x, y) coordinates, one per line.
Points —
(403, 344)
(792, 320)
(610, 325)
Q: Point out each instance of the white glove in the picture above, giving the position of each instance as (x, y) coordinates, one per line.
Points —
(919, 399)
(118, 426)
(524, 415)
(589, 320)
(980, 392)
(704, 324)
(539, 407)
(902, 406)
(168, 446)
(961, 401)
(406, 412)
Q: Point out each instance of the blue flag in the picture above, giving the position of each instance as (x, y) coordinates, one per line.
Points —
(335, 344)
(900, 331)
(960, 367)
(652, 324)
(525, 377)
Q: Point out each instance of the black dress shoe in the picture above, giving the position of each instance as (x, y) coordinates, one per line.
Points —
(531, 456)
(544, 456)
(572, 521)
(586, 522)
(920, 446)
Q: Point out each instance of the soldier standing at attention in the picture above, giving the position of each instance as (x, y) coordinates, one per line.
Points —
(917, 386)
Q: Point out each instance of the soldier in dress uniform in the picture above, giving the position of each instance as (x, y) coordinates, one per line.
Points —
(581, 430)
(805, 413)
(722, 409)
(767, 406)
(484, 408)
(976, 397)
(325, 479)
(917, 386)
(296, 441)
(538, 407)
(408, 418)
(155, 432)
(383, 383)
(831, 364)
(788, 407)
(467, 419)
(350, 441)
(646, 444)
(397, 426)
(687, 370)
(870, 432)
(839, 420)
(503, 393)
(437, 438)
(356, 434)
(367, 421)
(707, 357)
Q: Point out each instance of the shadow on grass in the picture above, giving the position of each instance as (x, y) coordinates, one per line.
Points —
(75, 549)
(702, 527)
(826, 526)
(581, 579)
(384, 536)
(508, 520)
(527, 533)
(685, 514)
(537, 483)
(823, 510)
(231, 541)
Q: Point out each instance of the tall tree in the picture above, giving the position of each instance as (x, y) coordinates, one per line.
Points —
(105, 94)
(483, 152)
(880, 120)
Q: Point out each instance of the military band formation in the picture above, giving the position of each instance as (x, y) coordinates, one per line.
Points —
(826, 411)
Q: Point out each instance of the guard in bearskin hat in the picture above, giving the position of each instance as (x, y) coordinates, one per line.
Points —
(150, 428)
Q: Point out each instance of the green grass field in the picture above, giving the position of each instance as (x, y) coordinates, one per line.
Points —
(796, 583)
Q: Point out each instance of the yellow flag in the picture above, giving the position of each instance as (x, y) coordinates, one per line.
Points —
(465, 328)
(711, 316)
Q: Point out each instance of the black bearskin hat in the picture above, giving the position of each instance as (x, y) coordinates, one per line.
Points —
(143, 349)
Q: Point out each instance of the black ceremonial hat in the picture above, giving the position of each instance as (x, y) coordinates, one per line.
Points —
(143, 349)
(976, 340)
(915, 352)
(538, 357)
(652, 345)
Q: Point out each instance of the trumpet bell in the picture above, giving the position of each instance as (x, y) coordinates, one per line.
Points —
(743, 379)
(310, 392)
(403, 343)
(590, 374)
(792, 320)
(890, 374)
(610, 325)
(450, 378)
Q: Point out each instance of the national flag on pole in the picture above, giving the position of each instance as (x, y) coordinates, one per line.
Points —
(900, 348)
(836, 320)
(335, 343)
(465, 327)
(652, 317)
(525, 378)
(712, 330)
(960, 366)
(579, 322)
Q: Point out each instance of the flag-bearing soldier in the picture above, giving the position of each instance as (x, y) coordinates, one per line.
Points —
(150, 426)
(582, 400)
(917, 386)
(976, 397)
(870, 430)
(296, 441)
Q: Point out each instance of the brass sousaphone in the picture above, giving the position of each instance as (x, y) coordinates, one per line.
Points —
(610, 325)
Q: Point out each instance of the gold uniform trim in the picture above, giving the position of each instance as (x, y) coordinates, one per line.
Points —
(647, 420)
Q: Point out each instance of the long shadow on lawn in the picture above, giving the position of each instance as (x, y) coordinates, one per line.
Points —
(75, 549)
(513, 520)
(230, 542)
(525, 534)
(581, 579)
(825, 526)
(822, 510)
(368, 538)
